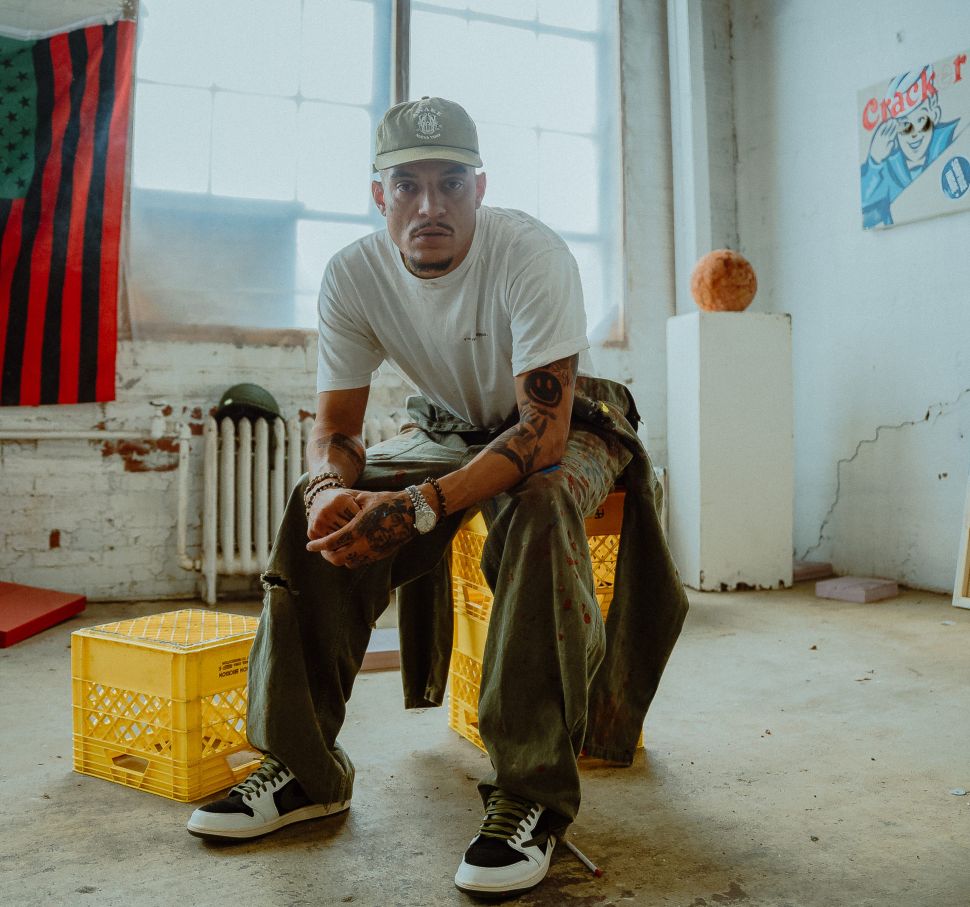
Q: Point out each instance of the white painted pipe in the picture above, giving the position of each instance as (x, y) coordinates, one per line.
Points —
(17, 435)
(227, 490)
(278, 498)
(244, 495)
(294, 458)
(185, 436)
(261, 494)
(209, 509)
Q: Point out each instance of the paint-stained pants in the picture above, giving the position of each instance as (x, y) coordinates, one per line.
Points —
(545, 639)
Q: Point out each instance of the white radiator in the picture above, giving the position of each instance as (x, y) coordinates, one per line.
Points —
(246, 481)
(249, 470)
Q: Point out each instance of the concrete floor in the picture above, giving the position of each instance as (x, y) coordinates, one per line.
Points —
(800, 752)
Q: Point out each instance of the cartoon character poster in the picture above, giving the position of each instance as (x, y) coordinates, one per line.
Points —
(915, 144)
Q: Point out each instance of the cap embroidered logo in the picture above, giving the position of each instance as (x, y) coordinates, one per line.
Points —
(429, 123)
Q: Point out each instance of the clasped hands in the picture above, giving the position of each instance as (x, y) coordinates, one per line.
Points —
(351, 528)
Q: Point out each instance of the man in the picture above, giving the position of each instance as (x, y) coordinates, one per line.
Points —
(482, 310)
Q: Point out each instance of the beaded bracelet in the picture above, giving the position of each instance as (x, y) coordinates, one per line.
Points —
(433, 482)
(308, 500)
(318, 480)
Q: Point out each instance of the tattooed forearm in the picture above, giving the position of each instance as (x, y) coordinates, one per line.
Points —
(521, 444)
(544, 399)
(565, 369)
(543, 388)
(351, 449)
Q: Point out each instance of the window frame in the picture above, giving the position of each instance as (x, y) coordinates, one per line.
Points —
(397, 38)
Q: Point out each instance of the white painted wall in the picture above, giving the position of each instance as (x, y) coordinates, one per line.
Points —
(881, 320)
(640, 361)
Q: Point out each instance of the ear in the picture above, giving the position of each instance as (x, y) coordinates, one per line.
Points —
(377, 191)
(479, 188)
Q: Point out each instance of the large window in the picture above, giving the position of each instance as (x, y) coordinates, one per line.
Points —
(253, 137)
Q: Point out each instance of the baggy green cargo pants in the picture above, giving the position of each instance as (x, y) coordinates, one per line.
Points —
(545, 639)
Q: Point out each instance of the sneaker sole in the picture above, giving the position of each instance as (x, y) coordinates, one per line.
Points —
(484, 891)
(315, 811)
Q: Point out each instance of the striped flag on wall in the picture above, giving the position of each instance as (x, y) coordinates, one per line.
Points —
(64, 113)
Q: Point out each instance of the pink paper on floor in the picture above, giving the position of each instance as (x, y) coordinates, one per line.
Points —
(856, 589)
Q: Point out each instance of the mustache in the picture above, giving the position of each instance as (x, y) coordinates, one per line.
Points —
(430, 224)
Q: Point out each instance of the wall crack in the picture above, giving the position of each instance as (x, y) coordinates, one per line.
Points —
(933, 413)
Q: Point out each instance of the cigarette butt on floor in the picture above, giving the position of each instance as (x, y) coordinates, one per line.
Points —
(588, 863)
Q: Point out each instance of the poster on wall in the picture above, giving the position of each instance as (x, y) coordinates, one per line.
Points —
(914, 143)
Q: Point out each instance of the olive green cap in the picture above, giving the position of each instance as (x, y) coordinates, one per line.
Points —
(432, 129)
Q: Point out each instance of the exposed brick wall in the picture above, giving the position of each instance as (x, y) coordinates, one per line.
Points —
(100, 517)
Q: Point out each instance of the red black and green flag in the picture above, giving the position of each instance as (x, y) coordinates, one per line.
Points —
(64, 113)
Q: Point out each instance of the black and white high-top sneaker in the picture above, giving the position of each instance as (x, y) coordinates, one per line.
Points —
(268, 799)
(511, 852)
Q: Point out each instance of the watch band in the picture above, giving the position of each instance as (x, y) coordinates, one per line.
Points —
(425, 519)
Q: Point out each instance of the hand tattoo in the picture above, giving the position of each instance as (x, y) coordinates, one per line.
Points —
(386, 527)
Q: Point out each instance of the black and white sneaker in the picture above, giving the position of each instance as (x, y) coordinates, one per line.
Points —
(268, 799)
(511, 852)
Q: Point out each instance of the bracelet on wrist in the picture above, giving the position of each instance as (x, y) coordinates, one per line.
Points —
(332, 479)
(433, 482)
(323, 486)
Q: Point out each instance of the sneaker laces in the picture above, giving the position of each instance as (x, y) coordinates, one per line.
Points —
(259, 780)
(503, 815)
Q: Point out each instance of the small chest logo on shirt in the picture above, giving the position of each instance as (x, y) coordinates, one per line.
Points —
(476, 336)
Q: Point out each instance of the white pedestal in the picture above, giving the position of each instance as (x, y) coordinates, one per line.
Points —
(730, 449)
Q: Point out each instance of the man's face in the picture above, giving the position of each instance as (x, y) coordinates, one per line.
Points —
(430, 209)
(914, 131)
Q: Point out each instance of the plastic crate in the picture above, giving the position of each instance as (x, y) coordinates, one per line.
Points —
(160, 702)
(473, 605)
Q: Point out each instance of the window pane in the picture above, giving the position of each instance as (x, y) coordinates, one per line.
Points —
(546, 104)
(440, 66)
(171, 141)
(337, 59)
(444, 4)
(175, 40)
(255, 48)
(569, 182)
(581, 14)
(567, 86)
(334, 157)
(511, 9)
(511, 158)
(600, 314)
(508, 56)
(253, 152)
(316, 242)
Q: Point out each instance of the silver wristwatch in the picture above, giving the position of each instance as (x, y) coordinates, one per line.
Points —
(425, 518)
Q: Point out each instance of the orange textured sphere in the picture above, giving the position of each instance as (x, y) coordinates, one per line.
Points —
(723, 281)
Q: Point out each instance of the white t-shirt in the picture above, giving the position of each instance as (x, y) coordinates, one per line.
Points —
(515, 303)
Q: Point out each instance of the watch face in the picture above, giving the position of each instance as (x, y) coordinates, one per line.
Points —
(424, 521)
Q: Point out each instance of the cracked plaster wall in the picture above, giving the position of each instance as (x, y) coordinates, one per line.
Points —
(880, 320)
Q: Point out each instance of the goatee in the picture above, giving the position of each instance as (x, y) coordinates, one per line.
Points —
(430, 267)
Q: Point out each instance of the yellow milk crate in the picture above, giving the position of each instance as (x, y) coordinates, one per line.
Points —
(160, 702)
(473, 605)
